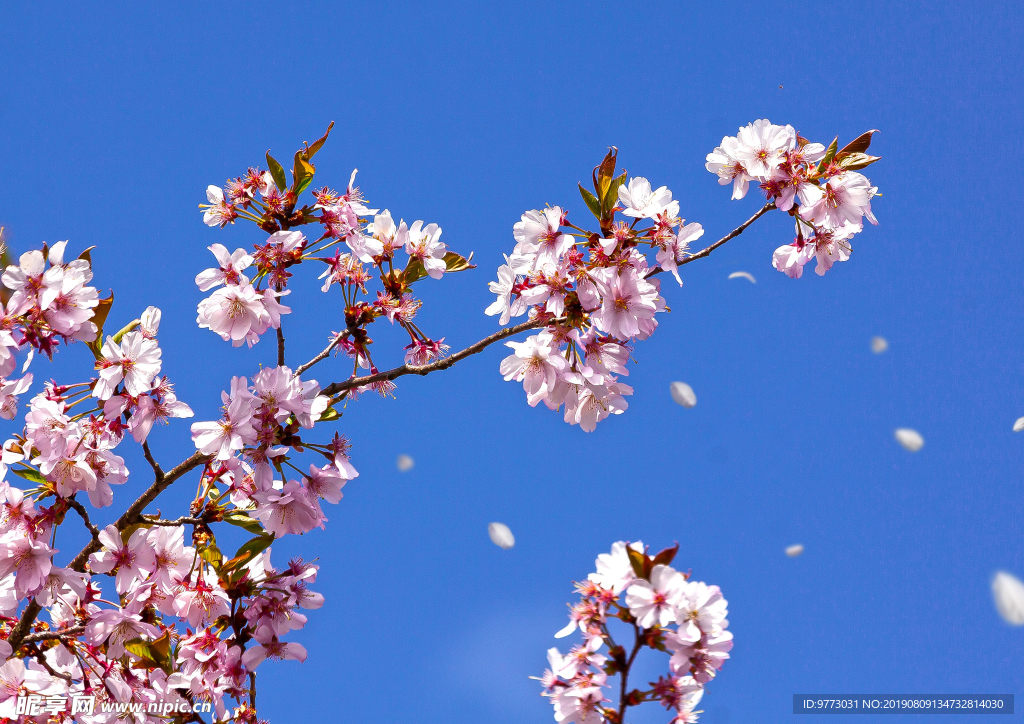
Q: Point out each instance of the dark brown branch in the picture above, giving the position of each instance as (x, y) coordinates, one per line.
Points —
(731, 235)
(280, 346)
(149, 459)
(441, 364)
(50, 635)
(323, 355)
(129, 517)
(173, 523)
(80, 509)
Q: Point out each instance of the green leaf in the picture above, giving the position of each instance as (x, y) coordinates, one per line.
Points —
(99, 318)
(856, 160)
(212, 555)
(277, 171)
(413, 271)
(591, 201)
(329, 414)
(249, 551)
(242, 520)
(318, 144)
(140, 648)
(456, 262)
(612, 196)
(126, 329)
(829, 155)
(33, 476)
(860, 143)
(302, 172)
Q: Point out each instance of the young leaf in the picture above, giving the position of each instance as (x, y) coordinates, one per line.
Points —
(591, 201)
(302, 173)
(638, 561)
(277, 171)
(32, 476)
(212, 555)
(248, 551)
(242, 520)
(87, 255)
(829, 155)
(855, 161)
(126, 329)
(666, 556)
(318, 144)
(99, 318)
(859, 144)
(611, 197)
(329, 414)
(456, 262)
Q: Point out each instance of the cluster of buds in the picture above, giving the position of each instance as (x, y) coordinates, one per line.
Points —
(664, 611)
(819, 187)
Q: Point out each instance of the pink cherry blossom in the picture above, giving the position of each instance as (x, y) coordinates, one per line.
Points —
(653, 602)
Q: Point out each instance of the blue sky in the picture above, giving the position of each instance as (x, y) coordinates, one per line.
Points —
(116, 118)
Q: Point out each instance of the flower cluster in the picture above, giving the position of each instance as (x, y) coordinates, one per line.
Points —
(249, 447)
(664, 611)
(152, 612)
(819, 187)
(595, 293)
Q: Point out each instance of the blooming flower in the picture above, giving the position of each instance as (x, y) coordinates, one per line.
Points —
(653, 602)
(135, 361)
(643, 203)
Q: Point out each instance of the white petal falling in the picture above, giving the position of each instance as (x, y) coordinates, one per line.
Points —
(1019, 425)
(405, 463)
(743, 275)
(794, 550)
(501, 536)
(910, 439)
(879, 344)
(683, 394)
(1008, 592)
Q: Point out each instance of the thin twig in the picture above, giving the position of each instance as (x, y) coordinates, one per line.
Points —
(280, 346)
(625, 673)
(80, 509)
(441, 364)
(323, 355)
(50, 635)
(731, 235)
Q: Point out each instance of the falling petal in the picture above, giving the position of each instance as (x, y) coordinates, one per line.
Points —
(405, 463)
(910, 439)
(501, 536)
(744, 275)
(683, 394)
(879, 344)
(1008, 593)
(794, 550)
(1019, 425)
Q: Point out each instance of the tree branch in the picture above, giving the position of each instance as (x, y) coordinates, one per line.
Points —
(50, 635)
(441, 364)
(323, 355)
(80, 509)
(149, 459)
(731, 235)
(280, 346)
(129, 517)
